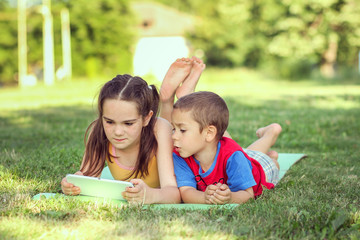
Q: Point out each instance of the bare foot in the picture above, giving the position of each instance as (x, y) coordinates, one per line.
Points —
(176, 74)
(274, 156)
(274, 128)
(189, 84)
(267, 138)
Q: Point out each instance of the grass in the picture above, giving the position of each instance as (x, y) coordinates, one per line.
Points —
(41, 140)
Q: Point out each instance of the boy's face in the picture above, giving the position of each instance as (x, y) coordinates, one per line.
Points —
(186, 135)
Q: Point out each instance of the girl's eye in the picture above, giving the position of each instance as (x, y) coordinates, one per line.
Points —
(129, 124)
(182, 130)
(109, 122)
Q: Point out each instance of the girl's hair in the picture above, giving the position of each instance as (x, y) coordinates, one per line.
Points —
(207, 108)
(146, 97)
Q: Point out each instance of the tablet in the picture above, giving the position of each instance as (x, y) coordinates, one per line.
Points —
(98, 187)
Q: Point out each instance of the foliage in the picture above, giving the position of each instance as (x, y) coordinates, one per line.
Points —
(41, 140)
(283, 34)
(103, 34)
(8, 43)
(291, 38)
(102, 37)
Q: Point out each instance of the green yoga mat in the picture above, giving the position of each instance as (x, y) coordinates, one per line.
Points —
(286, 160)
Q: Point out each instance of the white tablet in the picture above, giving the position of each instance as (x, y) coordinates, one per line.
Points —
(98, 187)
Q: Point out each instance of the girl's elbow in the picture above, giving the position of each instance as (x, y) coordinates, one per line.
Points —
(175, 195)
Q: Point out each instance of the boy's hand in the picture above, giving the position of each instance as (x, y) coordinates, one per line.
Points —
(222, 195)
(209, 192)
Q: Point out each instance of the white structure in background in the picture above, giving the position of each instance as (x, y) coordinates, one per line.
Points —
(162, 38)
(154, 55)
(63, 72)
(48, 43)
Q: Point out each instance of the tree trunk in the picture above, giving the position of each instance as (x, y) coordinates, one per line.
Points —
(327, 67)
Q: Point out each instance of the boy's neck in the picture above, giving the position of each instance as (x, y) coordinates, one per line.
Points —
(207, 155)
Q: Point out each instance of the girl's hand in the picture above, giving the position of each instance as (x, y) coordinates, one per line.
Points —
(136, 194)
(69, 188)
(222, 195)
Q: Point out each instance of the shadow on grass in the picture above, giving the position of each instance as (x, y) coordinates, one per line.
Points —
(43, 143)
(48, 143)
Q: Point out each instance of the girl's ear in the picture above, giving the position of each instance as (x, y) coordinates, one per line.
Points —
(147, 118)
(211, 132)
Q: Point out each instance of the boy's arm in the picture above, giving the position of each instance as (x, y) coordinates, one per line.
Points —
(223, 195)
(241, 196)
(192, 195)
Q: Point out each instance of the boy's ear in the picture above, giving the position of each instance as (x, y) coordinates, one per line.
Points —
(147, 118)
(211, 132)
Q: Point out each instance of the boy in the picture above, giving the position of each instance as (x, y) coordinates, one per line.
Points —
(214, 169)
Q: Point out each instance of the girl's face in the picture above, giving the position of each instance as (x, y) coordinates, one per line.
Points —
(123, 124)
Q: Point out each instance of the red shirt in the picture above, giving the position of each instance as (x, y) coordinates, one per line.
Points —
(218, 174)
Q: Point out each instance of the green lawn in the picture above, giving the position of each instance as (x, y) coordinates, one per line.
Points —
(41, 140)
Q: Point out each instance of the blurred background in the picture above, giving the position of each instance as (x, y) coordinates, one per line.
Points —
(44, 41)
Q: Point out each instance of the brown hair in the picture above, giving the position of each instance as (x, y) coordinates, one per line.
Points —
(207, 108)
(146, 97)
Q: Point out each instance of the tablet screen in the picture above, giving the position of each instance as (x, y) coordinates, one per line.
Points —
(97, 187)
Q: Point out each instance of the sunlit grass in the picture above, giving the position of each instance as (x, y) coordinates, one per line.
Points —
(253, 88)
(61, 94)
(247, 85)
(41, 140)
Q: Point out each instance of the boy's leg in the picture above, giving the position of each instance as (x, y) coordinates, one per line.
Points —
(190, 82)
(176, 74)
(267, 138)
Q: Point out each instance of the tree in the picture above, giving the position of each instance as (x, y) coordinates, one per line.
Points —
(8, 43)
(317, 30)
(102, 38)
(296, 34)
(103, 33)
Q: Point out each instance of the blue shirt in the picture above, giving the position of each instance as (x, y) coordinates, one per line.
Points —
(238, 170)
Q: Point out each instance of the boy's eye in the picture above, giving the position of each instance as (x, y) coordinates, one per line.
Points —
(129, 123)
(182, 130)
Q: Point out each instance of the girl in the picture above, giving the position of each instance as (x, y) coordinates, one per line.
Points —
(135, 144)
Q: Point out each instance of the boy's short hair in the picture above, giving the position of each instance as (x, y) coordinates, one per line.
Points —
(207, 108)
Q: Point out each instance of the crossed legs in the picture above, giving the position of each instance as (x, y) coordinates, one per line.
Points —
(267, 138)
(180, 80)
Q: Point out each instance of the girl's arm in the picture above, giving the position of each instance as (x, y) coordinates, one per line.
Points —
(69, 188)
(168, 191)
